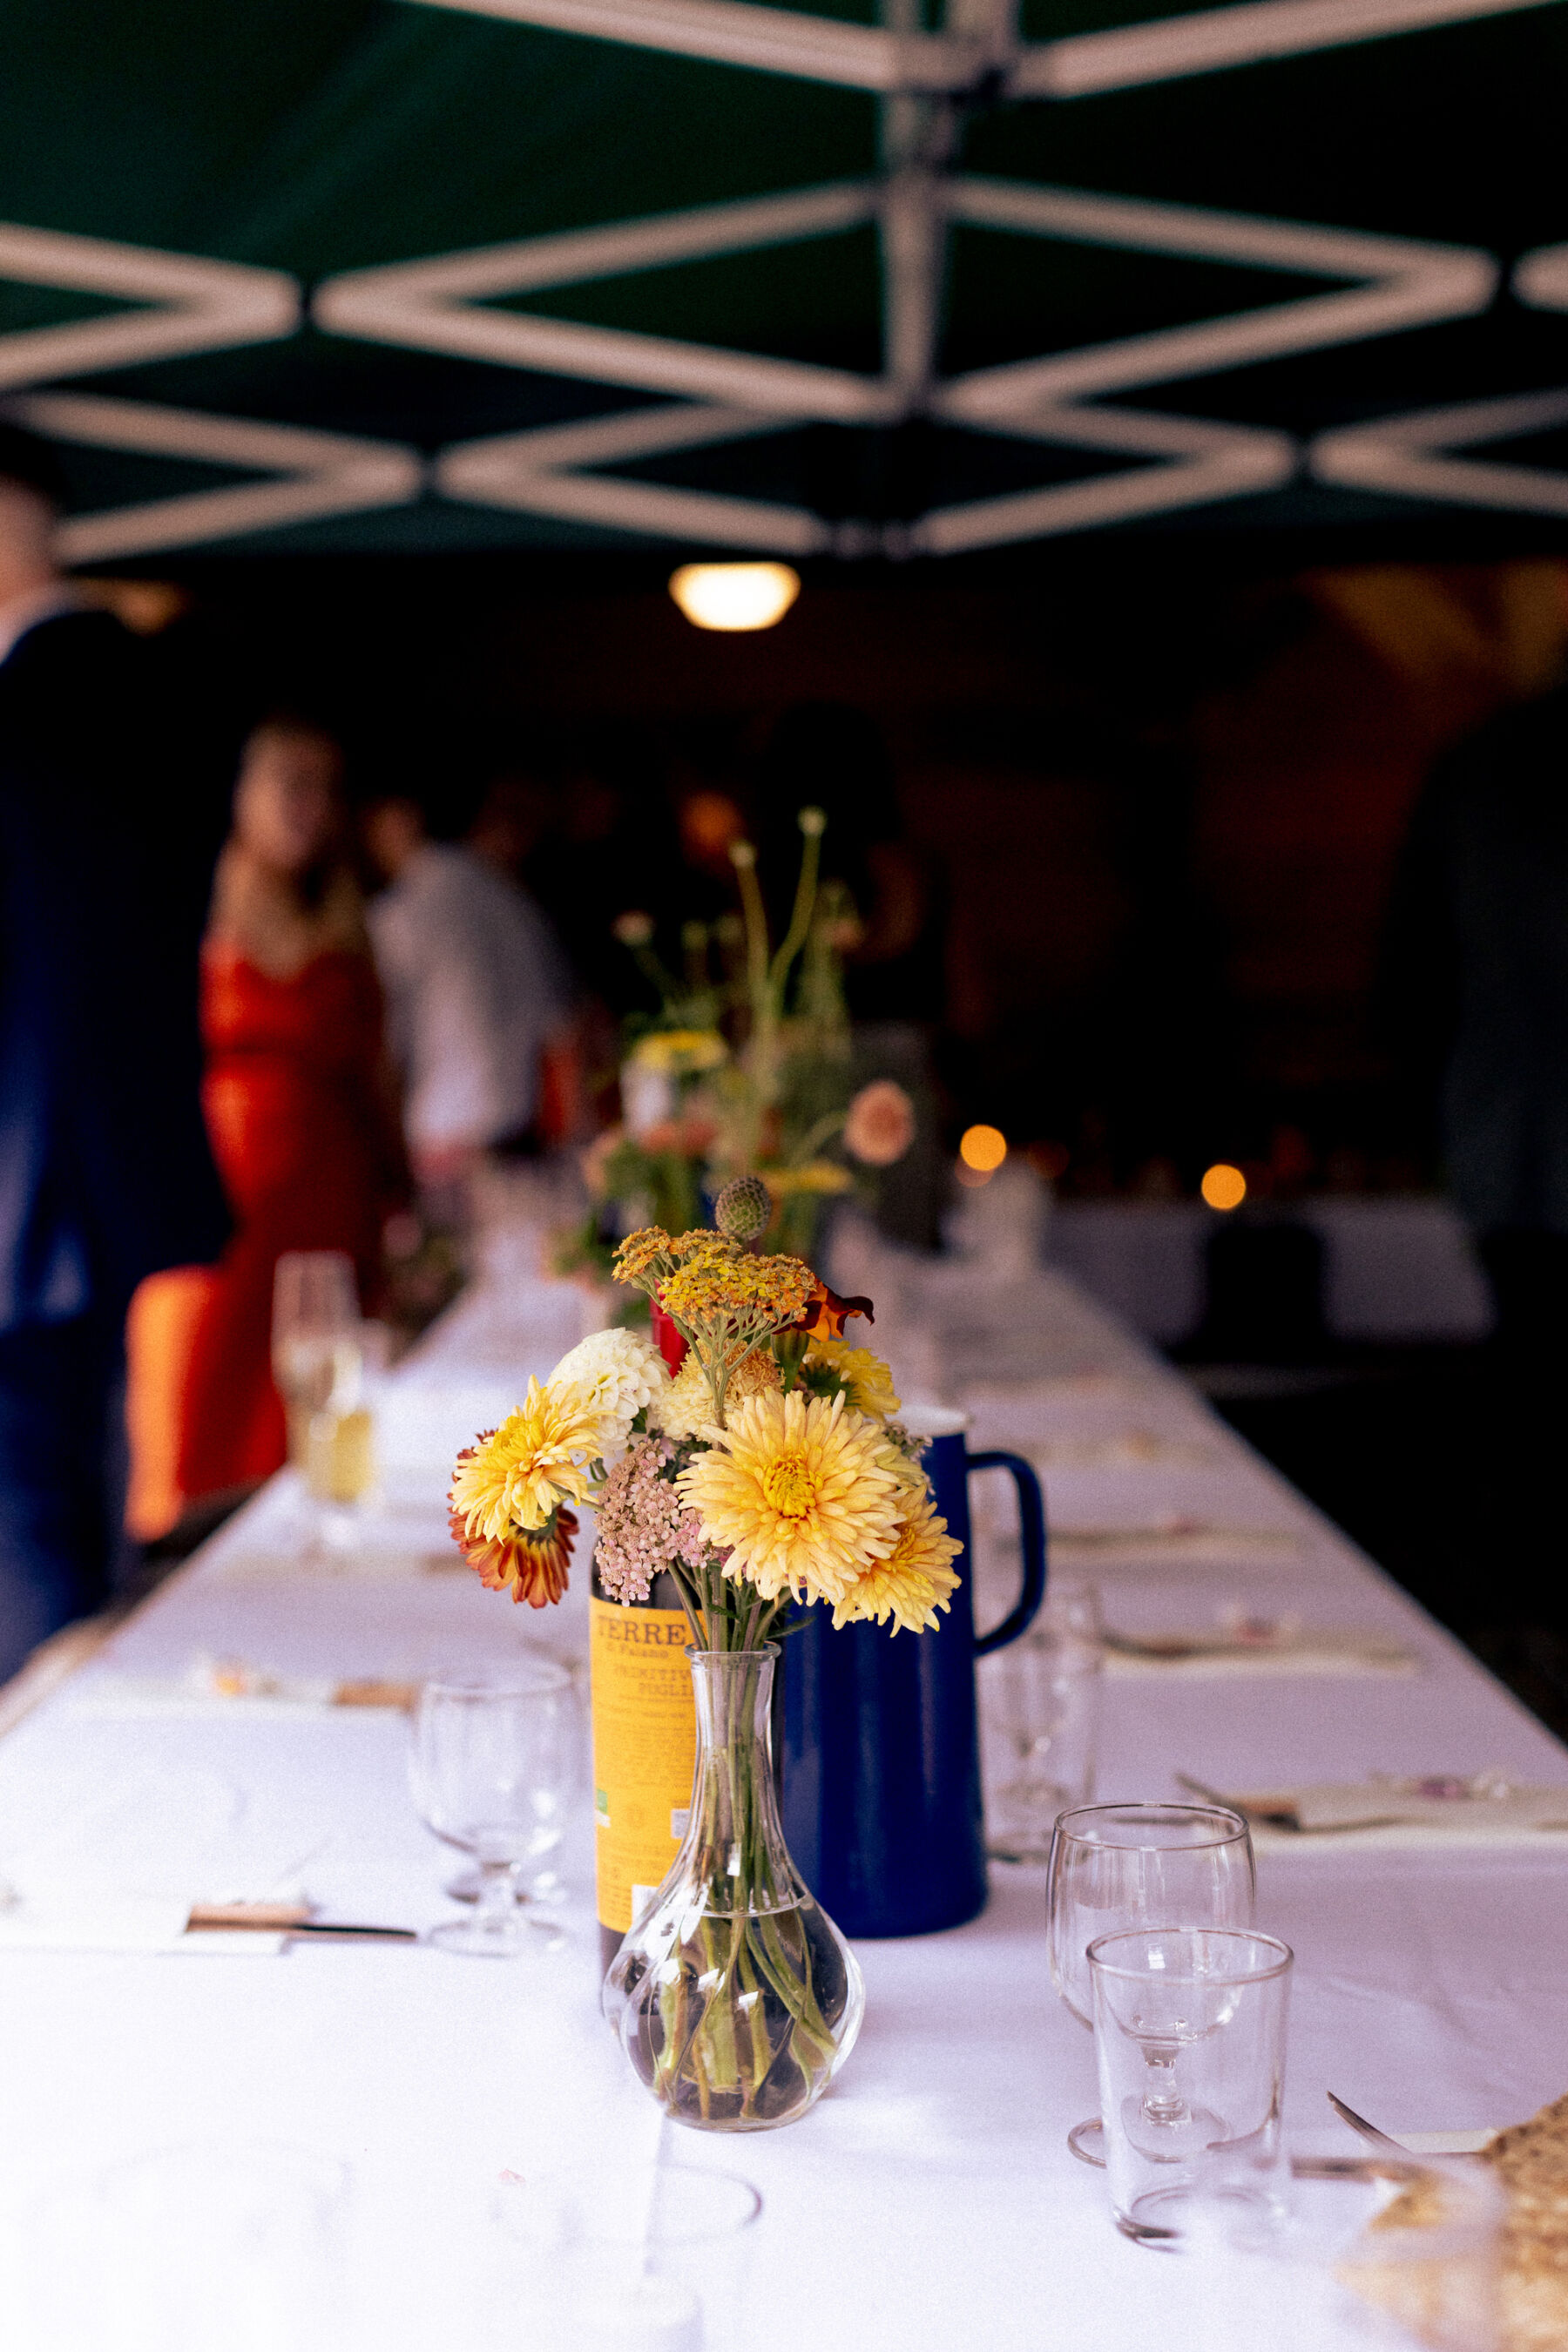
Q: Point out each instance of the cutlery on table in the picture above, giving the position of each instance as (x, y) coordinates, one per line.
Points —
(1275, 1814)
(1368, 2131)
(1390, 2160)
(291, 1919)
(1300, 1648)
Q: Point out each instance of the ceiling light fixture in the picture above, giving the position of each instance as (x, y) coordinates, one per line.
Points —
(734, 595)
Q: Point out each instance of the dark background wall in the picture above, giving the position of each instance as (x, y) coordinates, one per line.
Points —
(1160, 802)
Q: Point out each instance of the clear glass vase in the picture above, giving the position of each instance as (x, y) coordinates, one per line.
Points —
(735, 1997)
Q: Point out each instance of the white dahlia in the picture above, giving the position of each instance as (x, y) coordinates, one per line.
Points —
(622, 1372)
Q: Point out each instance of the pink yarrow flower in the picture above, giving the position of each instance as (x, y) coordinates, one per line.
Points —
(644, 1526)
(881, 1125)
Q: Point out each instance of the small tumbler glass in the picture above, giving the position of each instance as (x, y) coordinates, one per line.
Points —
(628, 2258)
(1138, 1866)
(1189, 2030)
(240, 2243)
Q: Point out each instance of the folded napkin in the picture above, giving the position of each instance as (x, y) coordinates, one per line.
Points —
(368, 1560)
(224, 1685)
(1128, 1449)
(59, 1921)
(1420, 1810)
(1162, 1541)
(1244, 1644)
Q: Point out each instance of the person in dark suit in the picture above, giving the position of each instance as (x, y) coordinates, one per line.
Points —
(105, 1171)
(1477, 984)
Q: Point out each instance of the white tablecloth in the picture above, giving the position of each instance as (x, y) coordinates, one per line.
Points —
(930, 2201)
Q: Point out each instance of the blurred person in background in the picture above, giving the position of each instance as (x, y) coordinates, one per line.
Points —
(105, 1172)
(612, 844)
(478, 993)
(302, 1110)
(1477, 980)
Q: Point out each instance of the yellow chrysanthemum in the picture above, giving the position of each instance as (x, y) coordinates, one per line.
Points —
(686, 1406)
(801, 1492)
(866, 1378)
(913, 1583)
(539, 1457)
(685, 1409)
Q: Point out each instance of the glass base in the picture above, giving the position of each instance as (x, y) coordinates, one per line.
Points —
(1150, 2233)
(514, 1935)
(547, 1890)
(1087, 2141)
(1248, 2218)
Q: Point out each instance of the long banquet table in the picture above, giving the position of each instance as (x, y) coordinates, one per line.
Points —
(929, 2199)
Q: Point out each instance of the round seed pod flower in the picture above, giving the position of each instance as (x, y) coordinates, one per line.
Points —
(744, 1208)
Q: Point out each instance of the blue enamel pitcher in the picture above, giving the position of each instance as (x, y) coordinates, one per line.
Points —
(880, 1737)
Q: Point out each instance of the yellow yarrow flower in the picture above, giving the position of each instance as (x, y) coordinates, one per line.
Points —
(702, 1242)
(816, 1176)
(913, 1583)
(802, 1492)
(764, 1292)
(639, 1250)
(866, 1379)
(679, 1052)
(539, 1458)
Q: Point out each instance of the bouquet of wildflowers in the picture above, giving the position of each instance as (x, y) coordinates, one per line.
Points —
(745, 1070)
(771, 1466)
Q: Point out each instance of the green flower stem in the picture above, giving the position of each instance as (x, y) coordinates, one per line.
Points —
(720, 2045)
(815, 1138)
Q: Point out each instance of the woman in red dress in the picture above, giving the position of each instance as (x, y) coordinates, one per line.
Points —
(302, 1120)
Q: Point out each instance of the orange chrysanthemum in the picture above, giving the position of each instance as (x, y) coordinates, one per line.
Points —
(532, 1563)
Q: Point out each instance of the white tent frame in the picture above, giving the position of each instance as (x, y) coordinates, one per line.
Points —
(922, 78)
(436, 305)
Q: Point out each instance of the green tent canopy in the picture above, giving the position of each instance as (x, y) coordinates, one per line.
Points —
(443, 274)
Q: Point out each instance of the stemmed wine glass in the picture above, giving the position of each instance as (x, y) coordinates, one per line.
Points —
(1120, 1866)
(491, 1763)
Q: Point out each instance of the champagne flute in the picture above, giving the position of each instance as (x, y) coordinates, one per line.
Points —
(1124, 1866)
(315, 1327)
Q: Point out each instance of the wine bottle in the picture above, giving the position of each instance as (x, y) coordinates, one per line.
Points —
(645, 1748)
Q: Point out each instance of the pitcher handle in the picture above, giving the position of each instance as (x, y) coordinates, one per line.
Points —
(1032, 1536)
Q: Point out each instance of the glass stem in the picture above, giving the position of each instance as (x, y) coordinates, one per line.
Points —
(498, 1897)
(1162, 2102)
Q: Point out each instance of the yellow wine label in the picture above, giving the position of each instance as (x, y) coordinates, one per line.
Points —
(644, 1746)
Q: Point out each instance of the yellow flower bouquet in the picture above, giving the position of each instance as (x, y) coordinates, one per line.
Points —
(768, 1472)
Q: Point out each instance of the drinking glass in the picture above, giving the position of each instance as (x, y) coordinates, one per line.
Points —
(315, 1330)
(628, 2257)
(491, 1765)
(1138, 1866)
(1042, 1709)
(339, 1460)
(1189, 2031)
(241, 2243)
